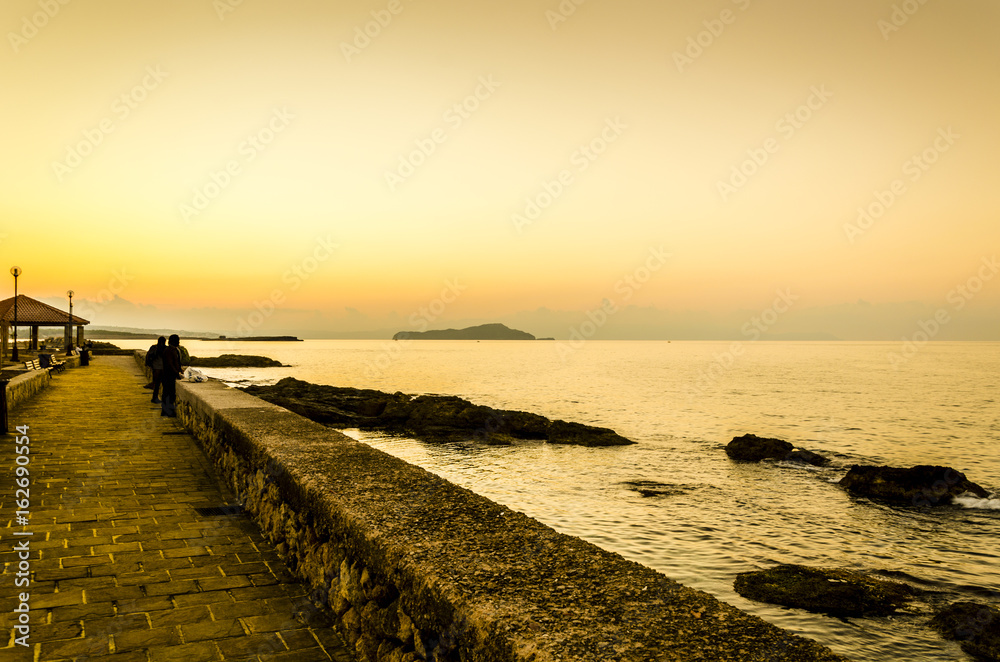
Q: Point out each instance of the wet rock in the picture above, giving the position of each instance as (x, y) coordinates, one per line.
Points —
(233, 361)
(434, 418)
(563, 432)
(652, 488)
(923, 485)
(751, 448)
(828, 591)
(803, 456)
(976, 626)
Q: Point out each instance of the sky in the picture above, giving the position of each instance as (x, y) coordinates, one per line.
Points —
(660, 170)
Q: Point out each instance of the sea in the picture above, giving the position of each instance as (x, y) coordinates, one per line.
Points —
(674, 501)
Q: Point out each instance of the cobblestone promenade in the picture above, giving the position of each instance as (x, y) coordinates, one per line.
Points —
(122, 565)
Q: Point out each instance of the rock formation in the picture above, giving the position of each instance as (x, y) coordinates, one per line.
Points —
(434, 418)
(233, 361)
(923, 485)
(829, 591)
(976, 626)
(751, 448)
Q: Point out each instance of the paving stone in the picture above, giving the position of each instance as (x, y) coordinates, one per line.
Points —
(203, 651)
(180, 616)
(271, 623)
(143, 578)
(56, 631)
(223, 610)
(302, 655)
(92, 583)
(179, 552)
(117, 593)
(62, 599)
(258, 644)
(212, 630)
(131, 656)
(243, 568)
(296, 639)
(205, 598)
(74, 647)
(75, 561)
(171, 588)
(95, 627)
(257, 593)
(135, 639)
(154, 603)
(221, 583)
(199, 573)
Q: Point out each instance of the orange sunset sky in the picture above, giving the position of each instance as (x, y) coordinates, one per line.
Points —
(342, 165)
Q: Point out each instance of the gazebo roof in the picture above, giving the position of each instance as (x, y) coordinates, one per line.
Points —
(32, 312)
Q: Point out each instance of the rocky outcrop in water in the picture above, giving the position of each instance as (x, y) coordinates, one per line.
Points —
(751, 448)
(828, 591)
(976, 626)
(435, 418)
(233, 361)
(923, 485)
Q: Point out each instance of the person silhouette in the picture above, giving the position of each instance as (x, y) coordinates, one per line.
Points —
(171, 373)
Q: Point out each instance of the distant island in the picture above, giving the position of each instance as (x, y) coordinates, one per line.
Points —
(481, 332)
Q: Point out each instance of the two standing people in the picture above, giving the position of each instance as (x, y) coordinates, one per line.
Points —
(167, 354)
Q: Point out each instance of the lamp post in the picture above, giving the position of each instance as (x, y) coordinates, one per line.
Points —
(16, 271)
(69, 341)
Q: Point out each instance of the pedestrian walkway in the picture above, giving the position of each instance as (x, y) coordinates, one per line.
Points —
(126, 562)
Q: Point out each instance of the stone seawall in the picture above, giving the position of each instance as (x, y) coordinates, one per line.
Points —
(416, 568)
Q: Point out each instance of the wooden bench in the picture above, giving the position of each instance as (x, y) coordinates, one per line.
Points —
(35, 365)
(53, 365)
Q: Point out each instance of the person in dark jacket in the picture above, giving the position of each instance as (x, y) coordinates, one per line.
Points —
(154, 360)
(171, 373)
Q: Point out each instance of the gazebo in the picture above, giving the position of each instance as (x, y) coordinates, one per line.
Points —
(34, 314)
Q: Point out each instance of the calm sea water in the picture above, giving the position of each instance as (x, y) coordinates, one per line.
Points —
(718, 518)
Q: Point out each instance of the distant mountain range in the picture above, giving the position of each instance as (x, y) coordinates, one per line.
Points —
(132, 333)
(481, 332)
